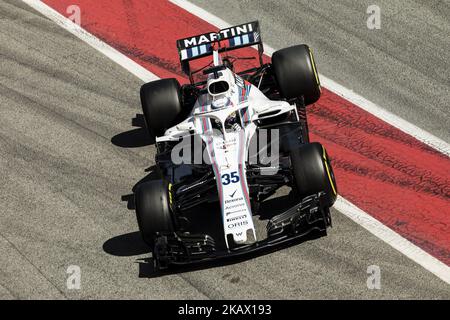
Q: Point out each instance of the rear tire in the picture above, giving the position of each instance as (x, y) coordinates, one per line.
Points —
(152, 210)
(312, 172)
(161, 105)
(296, 73)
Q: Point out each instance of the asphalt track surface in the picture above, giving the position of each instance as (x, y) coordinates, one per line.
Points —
(65, 163)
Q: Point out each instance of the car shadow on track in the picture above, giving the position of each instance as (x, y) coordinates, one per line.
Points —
(134, 138)
(126, 245)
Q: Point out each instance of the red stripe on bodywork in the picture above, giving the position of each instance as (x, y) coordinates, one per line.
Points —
(392, 176)
(242, 174)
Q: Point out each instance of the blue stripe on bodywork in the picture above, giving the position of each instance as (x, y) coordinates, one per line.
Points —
(251, 37)
(194, 51)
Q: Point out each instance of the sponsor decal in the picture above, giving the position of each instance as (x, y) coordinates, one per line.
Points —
(227, 33)
(237, 224)
(239, 81)
(243, 216)
(234, 200)
(235, 206)
(236, 211)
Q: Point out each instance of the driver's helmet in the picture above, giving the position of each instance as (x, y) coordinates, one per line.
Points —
(220, 102)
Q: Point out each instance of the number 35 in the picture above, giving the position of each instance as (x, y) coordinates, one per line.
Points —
(232, 177)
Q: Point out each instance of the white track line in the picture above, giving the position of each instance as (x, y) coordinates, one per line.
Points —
(393, 239)
(336, 88)
(348, 209)
(91, 40)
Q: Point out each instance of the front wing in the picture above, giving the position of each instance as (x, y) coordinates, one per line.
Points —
(296, 222)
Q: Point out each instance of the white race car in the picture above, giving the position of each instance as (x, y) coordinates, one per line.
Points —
(213, 140)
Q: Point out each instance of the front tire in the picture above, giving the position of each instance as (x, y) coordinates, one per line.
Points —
(152, 210)
(313, 173)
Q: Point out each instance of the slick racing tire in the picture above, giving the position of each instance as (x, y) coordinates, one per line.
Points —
(312, 172)
(296, 73)
(161, 105)
(152, 210)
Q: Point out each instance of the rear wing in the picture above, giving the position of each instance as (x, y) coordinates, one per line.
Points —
(227, 39)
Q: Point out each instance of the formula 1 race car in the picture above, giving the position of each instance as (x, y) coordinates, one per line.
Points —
(213, 140)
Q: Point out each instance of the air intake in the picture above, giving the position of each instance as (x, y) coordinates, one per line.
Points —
(218, 87)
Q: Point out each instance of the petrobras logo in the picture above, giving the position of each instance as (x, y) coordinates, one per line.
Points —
(221, 35)
(233, 200)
